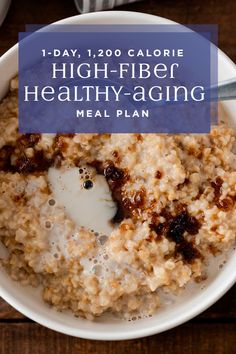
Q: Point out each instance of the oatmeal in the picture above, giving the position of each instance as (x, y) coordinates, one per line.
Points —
(174, 198)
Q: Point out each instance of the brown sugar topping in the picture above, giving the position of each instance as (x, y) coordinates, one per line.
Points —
(116, 177)
(193, 225)
(217, 188)
(158, 174)
(28, 140)
(23, 164)
(174, 229)
(14, 159)
(5, 157)
(38, 163)
(188, 251)
(135, 201)
(113, 173)
(223, 204)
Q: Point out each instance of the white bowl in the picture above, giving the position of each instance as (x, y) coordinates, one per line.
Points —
(4, 7)
(195, 300)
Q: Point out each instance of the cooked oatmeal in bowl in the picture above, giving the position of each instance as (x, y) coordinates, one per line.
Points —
(171, 201)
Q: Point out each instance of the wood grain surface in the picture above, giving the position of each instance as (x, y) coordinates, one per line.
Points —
(214, 331)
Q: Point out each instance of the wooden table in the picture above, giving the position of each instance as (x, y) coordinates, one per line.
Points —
(214, 331)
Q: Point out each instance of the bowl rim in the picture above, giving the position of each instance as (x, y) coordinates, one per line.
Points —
(148, 330)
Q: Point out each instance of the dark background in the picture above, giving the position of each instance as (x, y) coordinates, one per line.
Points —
(214, 331)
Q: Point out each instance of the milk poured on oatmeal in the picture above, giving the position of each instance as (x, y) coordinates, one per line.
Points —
(92, 208)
